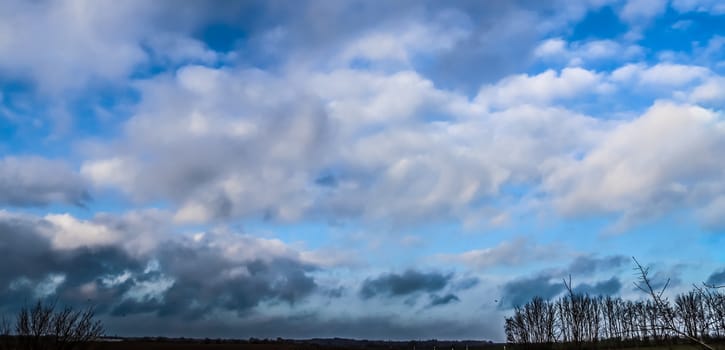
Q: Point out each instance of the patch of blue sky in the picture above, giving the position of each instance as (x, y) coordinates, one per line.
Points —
(603, 65)
(150, 70)
(223, 37)
(674, 239)
(10, 136)
(625, 103)
(33, 124)
(424, 62)
(659, 238)
(515, 190)
(603, 23)
(220, 38)
(314, 234)
(361, 63)
(453, 236)
(681, 33)
(583, 233)
(17, 99)
(716, 239)
(247, 50)
(112, 201)
(25, 121)
(405, 247)
(435, 117)
(99, 114)
(160, 65)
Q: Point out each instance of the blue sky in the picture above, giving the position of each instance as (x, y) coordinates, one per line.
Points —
(396, 170)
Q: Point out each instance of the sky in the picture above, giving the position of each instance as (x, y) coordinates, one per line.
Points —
(362, 169)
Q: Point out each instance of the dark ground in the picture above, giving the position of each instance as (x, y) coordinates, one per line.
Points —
(311, 344)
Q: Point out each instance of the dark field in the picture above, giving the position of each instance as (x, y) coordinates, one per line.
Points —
(331, 344)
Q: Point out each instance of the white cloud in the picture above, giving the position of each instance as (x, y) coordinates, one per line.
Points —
(585, 53)
(402, 44)
(682, 24)
(213, 139)
(232, 143)
(672, 74)
(138, 232)
(638, 10)
(111, 172)
(66, 43)
(36, 181)
(665, 159)
(67, 232)
(711, 90)
(506, 254)
(362, 98)
(555, 47)
(173, 49)
(543, 88)
(393, 146)
(660, 76)
(714, 7)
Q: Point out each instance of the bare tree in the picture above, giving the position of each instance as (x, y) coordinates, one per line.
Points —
(5, 326)
(5, 332)
(42, 327)
(715, 304)
(581, 320)
(666, 318)
(85, 329)
(576, 314)
(34, 324)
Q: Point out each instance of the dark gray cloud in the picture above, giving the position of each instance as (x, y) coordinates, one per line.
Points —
(550, 283)
(32, 268)
(608, 287)
(546, 285)
(34, 181)
(466, 283)
(407, 283)
(521, 291)
(588, 264)
(438, 300)
(201, 278)
(197, 290)
(717, 277)
(661, 276)
(210, 294)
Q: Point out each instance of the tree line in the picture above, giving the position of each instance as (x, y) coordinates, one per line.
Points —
(605, 321)
(44, 326)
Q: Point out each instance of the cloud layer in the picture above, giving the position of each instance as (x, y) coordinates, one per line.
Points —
(401, 170)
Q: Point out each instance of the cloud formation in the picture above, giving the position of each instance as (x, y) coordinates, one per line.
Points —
(314, 167)
(404, 284)
(611, 286)
(188, 277)
(716, 278)
(520, 291)
(35, 181)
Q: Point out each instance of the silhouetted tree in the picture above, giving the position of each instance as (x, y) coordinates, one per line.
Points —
(582, 320)
(5, 332)
(42, 327)
(667, 318)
